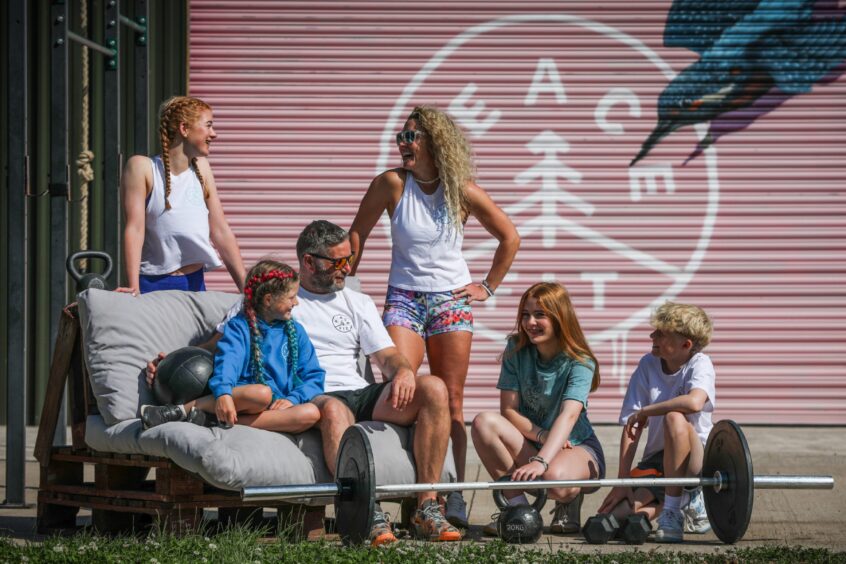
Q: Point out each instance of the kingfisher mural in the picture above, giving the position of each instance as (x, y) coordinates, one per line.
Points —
(754, 55)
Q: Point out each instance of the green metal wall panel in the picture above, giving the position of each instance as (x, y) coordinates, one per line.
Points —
(167, 39)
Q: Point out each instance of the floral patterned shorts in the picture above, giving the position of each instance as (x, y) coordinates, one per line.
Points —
(427, 313)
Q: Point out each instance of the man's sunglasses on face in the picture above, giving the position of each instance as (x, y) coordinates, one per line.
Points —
(337, 263)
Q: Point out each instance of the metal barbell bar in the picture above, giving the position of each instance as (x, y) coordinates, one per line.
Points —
(727, 481)
(718, 482)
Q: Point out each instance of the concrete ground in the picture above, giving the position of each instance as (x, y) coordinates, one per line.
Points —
(811, 518)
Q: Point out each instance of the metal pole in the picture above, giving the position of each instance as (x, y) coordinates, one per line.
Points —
(141, 67)
(91, 44)
(111, 141)
(269, 493)
(59, 178)
(17, 215)
(129, 23)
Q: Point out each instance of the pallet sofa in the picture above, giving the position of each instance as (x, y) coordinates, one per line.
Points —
(170, 473)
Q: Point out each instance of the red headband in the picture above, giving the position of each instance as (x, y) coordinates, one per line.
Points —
(262, 278)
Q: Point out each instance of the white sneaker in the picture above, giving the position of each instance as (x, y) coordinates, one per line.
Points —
(695, 516)
(670, 527)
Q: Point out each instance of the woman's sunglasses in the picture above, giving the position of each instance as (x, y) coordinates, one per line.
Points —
(337, 263)
(408, 136)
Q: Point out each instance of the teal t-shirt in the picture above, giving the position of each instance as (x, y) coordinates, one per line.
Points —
(543, 386)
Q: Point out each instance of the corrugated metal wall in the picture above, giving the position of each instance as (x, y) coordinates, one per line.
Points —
(557, 97)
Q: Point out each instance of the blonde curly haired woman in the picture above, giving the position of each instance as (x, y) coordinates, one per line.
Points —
(427, 307)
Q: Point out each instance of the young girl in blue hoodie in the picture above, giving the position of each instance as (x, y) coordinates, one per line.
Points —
(265, 367)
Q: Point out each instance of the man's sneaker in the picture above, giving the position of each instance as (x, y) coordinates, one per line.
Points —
(381, 532)
(567, 517)
(670, 527)
(695, 516)
(456, 510)
(429, 523)
(153, 415)
(492, 528)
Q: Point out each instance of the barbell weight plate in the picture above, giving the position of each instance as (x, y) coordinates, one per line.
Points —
(355, 503)
(729, 509)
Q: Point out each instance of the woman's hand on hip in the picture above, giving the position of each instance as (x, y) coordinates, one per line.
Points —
(472, 292)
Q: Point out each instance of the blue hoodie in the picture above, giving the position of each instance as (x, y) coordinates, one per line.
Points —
(232, 361)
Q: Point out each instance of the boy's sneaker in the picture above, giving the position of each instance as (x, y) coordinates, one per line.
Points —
(429, 523)
(695, 516)
(492, 528)
(381, 532)
(567, 517)
(154, 415)
(670, 527)
(456, 510)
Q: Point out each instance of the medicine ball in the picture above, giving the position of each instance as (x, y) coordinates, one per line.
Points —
(183, 375)
(520, 524)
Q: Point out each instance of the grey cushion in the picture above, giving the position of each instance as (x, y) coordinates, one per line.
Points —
(120, 333)
(242, 456)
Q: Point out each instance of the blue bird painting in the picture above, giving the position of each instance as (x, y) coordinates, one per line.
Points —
(754, 54)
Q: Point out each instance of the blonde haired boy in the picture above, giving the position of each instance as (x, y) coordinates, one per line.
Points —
(672, 393)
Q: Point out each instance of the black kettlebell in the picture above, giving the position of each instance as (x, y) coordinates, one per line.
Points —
(502, 503)
(519, 524)
(89, 279)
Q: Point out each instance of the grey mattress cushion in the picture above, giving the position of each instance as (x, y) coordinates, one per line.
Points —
(242, 456)
(120, 333)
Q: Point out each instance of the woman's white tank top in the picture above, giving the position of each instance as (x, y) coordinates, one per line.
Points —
(179, 236)
(426, 254)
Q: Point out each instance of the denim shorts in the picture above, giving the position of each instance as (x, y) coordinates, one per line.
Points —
(427, 313)
(592, 446)
(194, 282)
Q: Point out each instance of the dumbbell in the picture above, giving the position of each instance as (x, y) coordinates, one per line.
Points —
(601, 528)
(634, 529)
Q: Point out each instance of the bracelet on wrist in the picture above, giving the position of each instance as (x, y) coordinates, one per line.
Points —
(540, 459)
(539, 435)
(484, 284)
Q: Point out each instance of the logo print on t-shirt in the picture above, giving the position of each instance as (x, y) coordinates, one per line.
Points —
(283, 350)
(342, 323)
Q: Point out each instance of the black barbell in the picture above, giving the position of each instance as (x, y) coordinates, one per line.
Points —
(727, 481)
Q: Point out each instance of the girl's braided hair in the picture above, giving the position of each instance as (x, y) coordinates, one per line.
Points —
(173, 112)
(276, 279)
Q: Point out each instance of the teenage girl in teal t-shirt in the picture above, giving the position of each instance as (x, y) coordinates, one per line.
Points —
(542, 428)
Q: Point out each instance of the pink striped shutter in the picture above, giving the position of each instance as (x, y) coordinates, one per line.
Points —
(556, 98)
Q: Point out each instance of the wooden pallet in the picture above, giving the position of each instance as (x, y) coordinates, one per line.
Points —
(129, 491)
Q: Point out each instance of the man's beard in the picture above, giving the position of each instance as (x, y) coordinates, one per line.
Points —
(326, 281)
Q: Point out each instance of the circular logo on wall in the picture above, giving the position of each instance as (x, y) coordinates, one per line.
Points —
(556, 106)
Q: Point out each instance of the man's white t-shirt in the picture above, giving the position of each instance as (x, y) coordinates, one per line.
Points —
(341, 325)
(649, 385)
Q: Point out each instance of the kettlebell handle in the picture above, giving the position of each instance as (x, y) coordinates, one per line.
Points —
(71, 262)
(502, 502)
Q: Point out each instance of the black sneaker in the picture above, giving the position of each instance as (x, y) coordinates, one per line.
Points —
(153, 415)
(202, 418)
(456, 510)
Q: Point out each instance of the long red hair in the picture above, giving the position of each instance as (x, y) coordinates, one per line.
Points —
(555, 302)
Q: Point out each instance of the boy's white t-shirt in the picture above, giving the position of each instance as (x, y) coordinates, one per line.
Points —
(340, 325)
(649, 385)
